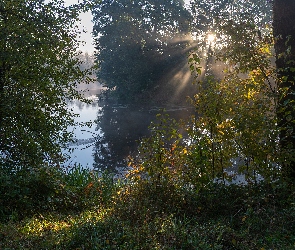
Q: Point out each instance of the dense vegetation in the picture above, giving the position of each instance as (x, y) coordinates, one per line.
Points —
(82, 210)
(138, 43)
(178, 192)
(38, 73)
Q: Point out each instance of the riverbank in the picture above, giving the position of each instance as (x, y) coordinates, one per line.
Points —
(84, 210)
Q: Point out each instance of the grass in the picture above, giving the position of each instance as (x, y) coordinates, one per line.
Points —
(91, 211)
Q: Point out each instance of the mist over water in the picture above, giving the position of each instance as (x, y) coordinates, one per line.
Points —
(115, 131)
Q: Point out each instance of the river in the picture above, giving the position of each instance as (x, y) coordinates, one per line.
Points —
(115, 131)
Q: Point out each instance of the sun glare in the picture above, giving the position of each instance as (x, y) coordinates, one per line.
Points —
(210, 38)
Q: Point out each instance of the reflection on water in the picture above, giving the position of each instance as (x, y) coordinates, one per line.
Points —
(116, 132)
(122, 127)
(85, 137)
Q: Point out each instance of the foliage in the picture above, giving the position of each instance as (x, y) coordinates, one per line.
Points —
(28, 191)
(205, 13)
(139, 42)
(167, 158)
(218, 217)
(236, 123)
(38, 73)
(238, 110)
(242, 41)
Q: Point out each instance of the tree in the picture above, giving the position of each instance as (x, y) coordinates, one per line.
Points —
(241, 50)
(284, 34)
(242, 112)
(205, 11)
(38, 73)
(236, 119)
(207, 15)
(137, 41)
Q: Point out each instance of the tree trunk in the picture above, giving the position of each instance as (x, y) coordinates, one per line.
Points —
(284, 33)
(3, 69)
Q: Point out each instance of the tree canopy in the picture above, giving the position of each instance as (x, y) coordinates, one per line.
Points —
(235, 104)
(137, 42)
(38, 74)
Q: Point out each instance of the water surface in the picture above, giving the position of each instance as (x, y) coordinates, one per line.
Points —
(115, 132)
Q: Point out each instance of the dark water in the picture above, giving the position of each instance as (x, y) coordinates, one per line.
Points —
(115, 132)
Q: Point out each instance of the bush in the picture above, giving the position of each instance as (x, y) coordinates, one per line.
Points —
(29, 191)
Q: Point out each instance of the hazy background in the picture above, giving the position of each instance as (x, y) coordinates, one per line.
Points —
(87, 25)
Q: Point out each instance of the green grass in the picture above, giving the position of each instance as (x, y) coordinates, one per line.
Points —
(84, 210)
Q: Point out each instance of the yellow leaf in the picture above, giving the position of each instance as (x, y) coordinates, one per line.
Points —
(234, 242)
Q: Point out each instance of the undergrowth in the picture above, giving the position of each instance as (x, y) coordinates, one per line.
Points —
(84, 210)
